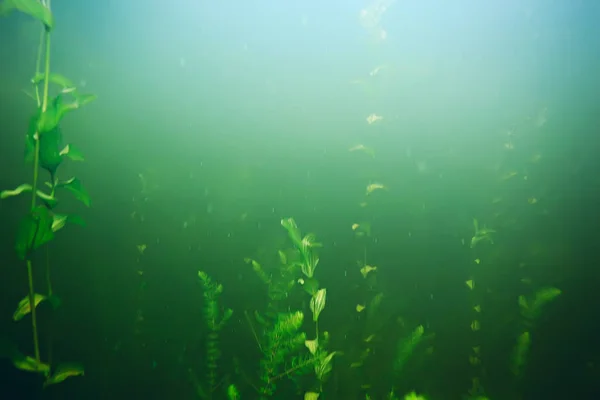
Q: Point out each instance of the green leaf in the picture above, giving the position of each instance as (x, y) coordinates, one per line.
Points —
(64, 371)
(30, 138)
(49, 200)
(15, 192)
(406, 346)
(33, 8)
(310, 285)
(34, 230)
(23, 308)
(50, 145)
(83, 99)
(55, 78)
(293, 231)
(323, 367)
(60, 220)
(317, 303)
(27, 363)
(72, 152)
(233, 393)
(50, 119)
(74, 186)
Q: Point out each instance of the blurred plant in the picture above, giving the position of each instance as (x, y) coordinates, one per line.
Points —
(321, 358)
(46, 150)
(304, 245)
(406, 347)
(481, 234)
(280, 339)
(531, 310)
(214, 323)
(281, 342)
(233, 393)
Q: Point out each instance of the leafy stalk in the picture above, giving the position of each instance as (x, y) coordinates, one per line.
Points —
(43, 139)
(282, 340)
(215, 322)
(36, 345)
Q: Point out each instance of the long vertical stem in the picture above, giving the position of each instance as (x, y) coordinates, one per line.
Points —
(36, 162)
(48, 281)
(36, 345)
(37, 64)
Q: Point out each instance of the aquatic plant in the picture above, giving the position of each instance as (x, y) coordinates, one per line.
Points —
(279, 280)
(475, 351)
(481, 234)
(233, 393)
(45, 149)
(530, 309)
(215, 320)
(406, 347)
(308, 262)
(281, 342)
(304, 245)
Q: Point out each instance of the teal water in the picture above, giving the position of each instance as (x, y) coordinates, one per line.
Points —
(384, 128)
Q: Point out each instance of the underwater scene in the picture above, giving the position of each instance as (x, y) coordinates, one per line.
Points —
(354, 200)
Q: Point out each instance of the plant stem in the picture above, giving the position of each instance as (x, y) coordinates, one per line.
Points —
(47, 73)
(48, 282)
(37, 64)
(33, 200)
(289, 371)
(36, 345)
(253, 331)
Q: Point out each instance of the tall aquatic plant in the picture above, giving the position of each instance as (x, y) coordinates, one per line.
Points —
(281, 342)
(215, 320)
(280, 338)
(531, 309)
(306, 245)
(45, 150)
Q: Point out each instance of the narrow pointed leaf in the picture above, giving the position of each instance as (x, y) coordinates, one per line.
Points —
(293, 231)
(49, 200)
(64, 371)
(50, 146)
(60, 220)
(74, 186)
(29, 364)
(33, 8)
(55, 78)
(72, 152)
(83, 99)
(23, 307)
(16, 191)
(35, 229)
(317, 303)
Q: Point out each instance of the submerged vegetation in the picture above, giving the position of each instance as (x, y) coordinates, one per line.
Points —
(56, 96)
(312, 341)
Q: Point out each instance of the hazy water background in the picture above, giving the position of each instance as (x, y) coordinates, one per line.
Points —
(241, 115)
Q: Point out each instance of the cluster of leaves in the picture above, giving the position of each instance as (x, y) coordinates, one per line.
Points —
(282, 341)
(44, 146)
(46, 150)
(215, 320)
(279, 280)
(304, 245)
(531, 309)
